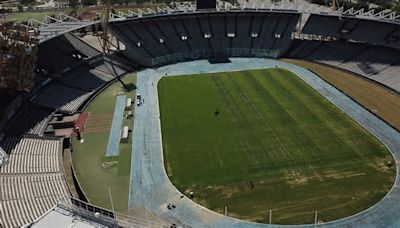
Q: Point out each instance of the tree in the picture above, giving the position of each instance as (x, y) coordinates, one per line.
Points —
(17, 57)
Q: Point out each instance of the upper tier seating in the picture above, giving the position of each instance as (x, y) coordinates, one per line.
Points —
(110, 67)
(81, 46)
(160, 40)
(62, 53)
(85, 78)
(332, 53)
(63, 98)
(345, 27)
(29, 119)
(379, 63)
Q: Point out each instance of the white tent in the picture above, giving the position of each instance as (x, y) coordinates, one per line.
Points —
(125, 134)
(128, 104)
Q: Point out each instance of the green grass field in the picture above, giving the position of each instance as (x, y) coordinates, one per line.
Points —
(96, 173)
(276, 144)
(25, 16)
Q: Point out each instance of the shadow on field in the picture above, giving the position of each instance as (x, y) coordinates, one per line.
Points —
(130, 87)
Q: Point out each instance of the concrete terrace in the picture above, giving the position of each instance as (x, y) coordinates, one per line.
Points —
(150, 187)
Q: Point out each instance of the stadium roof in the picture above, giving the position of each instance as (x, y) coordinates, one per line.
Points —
(77, 213)
(62, 23)
(60, 216)
(55, 29)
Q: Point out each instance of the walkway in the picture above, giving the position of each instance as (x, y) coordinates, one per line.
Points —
(115, 134)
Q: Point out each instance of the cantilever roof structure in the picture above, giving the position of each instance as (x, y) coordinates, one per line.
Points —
(76, 213)
(62, 217)
(51, 27)
(48, 31)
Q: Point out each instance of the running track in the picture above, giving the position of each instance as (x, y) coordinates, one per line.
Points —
(150, 187)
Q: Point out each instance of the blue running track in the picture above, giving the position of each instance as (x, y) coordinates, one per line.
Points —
(115, 134)
(151, 188)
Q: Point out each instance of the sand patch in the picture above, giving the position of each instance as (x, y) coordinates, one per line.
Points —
(109, 165)
(294, 178)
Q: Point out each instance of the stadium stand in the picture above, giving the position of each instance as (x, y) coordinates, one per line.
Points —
(196, 31)
(393, 38)
(351, 28)
(389, 76)
(192, 36)
(63, 98)
(9, 103)
(29, 155)
(372, 60)
(3, 157)
(69, 71)
(81, 46)
(33, 180)
(219, 39)
(111, 67)
(40, 79)
(68, 92)
(333, 53)
(66, 51)
(376, 62)
(7, 96)
(242, 24)
(326, 25)
(84, 78)
(29, 119)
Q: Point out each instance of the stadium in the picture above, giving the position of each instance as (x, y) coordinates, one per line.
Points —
(263, 115)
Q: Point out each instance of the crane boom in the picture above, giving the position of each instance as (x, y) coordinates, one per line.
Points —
(335, 5)
(105, 25)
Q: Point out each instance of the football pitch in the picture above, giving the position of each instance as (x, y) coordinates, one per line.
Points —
(263, 141)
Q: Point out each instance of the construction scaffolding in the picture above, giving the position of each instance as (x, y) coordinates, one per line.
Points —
(18, 50)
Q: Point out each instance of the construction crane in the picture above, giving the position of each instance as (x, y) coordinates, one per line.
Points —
(105, 19)
(335, 5)
(106, 40)
(106, 37)
(18, 53)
